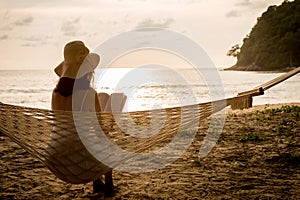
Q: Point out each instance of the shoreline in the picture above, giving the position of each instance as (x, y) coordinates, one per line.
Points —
(256, 68)
(255, 157)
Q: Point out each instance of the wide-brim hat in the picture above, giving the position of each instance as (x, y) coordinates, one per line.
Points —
(77, 61)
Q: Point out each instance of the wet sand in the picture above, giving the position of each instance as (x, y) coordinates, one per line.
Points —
(256, 157)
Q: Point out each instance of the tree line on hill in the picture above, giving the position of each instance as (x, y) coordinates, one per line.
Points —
(274, 41)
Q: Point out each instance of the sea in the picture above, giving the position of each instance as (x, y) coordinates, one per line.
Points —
(151, 88)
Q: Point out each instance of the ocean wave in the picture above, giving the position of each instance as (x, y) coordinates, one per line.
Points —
(32, 91)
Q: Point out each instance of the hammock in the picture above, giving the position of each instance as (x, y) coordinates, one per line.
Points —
(51, 136)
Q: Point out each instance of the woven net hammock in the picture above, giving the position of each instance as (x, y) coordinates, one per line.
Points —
(56, 137)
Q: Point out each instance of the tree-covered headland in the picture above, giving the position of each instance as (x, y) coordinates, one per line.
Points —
(274, 41)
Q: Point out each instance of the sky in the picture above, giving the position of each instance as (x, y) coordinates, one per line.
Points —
(34, 32)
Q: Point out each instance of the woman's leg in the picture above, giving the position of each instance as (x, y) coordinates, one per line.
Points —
(98, 186)
(109, 186)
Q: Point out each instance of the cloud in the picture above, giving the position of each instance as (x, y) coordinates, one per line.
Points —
(71, 27)
(233, 13)
(3, 37)
(28, 44)
(243, 7)
(246, 3)
(163, 23)
(32, 39)
(255, 4)
(24, 22)
(33, 44)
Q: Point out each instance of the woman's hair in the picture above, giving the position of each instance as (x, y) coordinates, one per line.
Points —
(65, 86)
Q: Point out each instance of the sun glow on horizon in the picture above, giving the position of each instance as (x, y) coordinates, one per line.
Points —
(150, 57)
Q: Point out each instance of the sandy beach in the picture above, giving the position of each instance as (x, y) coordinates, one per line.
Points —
(256, 157)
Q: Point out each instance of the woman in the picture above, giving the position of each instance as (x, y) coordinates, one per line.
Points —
(73, 92)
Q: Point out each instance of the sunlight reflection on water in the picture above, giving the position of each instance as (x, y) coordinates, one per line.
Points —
(33, 87)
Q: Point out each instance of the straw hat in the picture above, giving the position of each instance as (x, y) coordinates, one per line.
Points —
(77, 61)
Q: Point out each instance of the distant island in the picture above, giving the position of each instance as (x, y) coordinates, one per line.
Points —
(274, 42)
